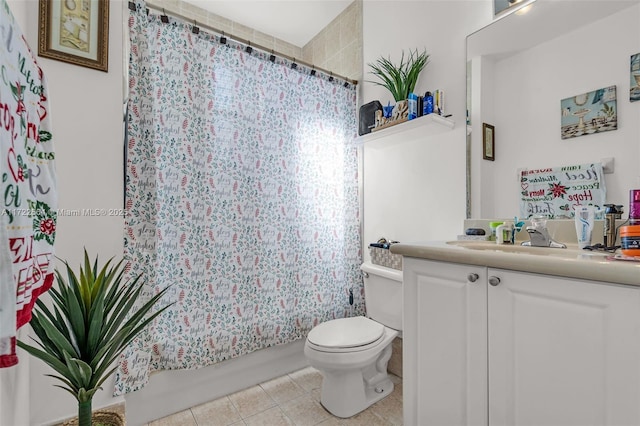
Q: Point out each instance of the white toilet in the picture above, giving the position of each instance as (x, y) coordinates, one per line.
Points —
(352, 353)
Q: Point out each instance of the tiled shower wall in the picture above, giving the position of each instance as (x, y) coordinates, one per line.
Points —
(337, 48)
(202, 16)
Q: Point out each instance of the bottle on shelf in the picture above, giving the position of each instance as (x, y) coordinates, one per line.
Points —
(427, 104)
(413, 106)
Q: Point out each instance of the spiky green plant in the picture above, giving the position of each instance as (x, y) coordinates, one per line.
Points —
(87, 328)
(400, 79)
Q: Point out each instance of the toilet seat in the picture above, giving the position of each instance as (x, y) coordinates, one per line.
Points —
(346, 335)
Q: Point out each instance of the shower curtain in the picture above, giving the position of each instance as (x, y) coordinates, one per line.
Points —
(241, 195)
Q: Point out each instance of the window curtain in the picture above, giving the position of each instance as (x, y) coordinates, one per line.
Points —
(241, 195)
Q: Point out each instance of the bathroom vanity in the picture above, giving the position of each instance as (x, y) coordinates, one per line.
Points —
(511, 335)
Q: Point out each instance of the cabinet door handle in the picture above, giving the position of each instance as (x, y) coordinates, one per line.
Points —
(494, 281)
(473, 277)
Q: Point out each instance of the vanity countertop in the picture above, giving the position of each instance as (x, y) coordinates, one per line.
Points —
(571, 262)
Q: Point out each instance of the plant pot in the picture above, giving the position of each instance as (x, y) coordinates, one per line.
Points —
(100, 419)
(110, 416)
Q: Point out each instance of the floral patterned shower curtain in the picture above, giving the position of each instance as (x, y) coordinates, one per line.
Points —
(241, 194)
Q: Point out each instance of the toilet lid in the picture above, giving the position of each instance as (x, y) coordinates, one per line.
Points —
(346, 333)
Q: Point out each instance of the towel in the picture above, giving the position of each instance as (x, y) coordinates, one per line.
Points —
(28, 185)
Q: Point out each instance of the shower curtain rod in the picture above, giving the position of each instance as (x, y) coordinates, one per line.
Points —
(245, 42)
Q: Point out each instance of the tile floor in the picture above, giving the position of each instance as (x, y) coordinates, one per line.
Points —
(293, 399)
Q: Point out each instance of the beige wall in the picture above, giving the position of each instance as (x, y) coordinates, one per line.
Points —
(338, 47)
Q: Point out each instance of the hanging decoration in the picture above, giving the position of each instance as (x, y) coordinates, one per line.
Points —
(556, 191)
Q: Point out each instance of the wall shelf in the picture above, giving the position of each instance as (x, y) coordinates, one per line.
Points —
(427, 125)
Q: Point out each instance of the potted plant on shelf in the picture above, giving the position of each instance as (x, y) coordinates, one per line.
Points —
(399, 79)
(89, 325)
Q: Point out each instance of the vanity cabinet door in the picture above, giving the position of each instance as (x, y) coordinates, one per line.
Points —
(444, 343)
(562, 351)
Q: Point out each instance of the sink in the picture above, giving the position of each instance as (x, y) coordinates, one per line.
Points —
(571, 250)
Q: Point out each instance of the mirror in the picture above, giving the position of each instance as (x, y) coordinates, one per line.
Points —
(519, 68)
(502, 6)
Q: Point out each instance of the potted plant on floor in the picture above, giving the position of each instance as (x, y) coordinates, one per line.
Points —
(89, 325)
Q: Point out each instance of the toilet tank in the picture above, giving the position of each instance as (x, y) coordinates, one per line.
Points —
(383, 294)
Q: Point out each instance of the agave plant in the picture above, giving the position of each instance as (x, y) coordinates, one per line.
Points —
(400, 79)
(87, 328)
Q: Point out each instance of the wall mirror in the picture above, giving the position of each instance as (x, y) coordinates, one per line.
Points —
(503, 6)
(519, 68)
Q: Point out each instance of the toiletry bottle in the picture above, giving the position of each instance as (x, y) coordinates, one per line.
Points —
(508, 232)
(413, 106)
(584, 217)
(611, 213)
(634, 207)
(504, 233)
(420, 106)
(428, 103)
(440, 102)
(493, 226)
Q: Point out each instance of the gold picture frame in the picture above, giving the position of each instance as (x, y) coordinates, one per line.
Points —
(488, 142)
(75, 31)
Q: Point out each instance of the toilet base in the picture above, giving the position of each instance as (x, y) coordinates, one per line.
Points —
(345, 393)
(345, 409)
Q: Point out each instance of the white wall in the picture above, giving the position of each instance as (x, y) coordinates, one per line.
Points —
(414, 189)
(87, 126)
(588, 59)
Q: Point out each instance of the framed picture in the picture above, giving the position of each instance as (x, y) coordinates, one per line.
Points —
(634, 88)
(589, 113)
(488, 142)
(75, 31)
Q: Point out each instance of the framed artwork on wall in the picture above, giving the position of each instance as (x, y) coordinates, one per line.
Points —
(634, 91)
(488, 142)
(589, 113)
(75, 31)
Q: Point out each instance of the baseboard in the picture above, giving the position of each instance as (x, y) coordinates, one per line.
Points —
(173, 391)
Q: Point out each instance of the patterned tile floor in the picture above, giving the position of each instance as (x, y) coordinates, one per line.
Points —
(293, 399)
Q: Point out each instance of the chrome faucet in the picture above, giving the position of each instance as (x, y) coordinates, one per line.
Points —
(539, 235)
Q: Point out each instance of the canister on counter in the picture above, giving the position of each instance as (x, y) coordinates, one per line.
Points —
(630, 240)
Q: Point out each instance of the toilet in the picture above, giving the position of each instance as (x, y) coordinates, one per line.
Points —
(352, 353)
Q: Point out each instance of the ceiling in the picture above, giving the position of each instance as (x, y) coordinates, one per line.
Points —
(294, 21)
